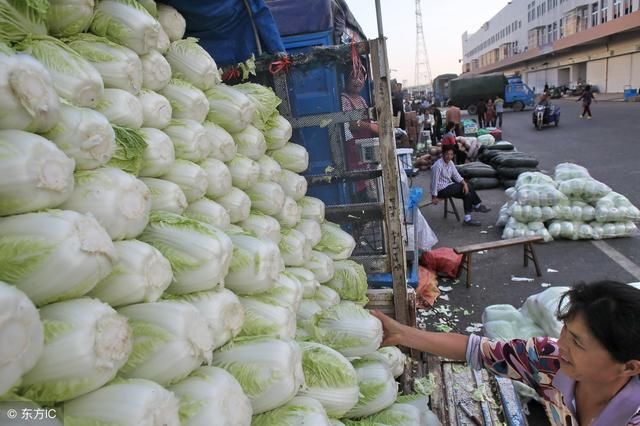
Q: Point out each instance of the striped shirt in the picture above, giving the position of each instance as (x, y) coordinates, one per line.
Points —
(350, 103)
(442, 175)
(535, 363)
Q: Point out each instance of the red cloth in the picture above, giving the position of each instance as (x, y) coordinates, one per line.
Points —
(449, 139)
(443, 260)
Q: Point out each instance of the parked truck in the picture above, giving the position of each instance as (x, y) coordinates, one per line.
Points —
(465, 92)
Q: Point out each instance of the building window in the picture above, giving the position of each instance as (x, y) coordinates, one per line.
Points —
(628, 6)
(617, 8)
(555, 31)
(561, 28)
(604, 9)
(594, 14)
(549, 34)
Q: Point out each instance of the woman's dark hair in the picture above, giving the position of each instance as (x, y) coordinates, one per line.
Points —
(448, 147)
(612, 312)
(450, 125)
(587, 87)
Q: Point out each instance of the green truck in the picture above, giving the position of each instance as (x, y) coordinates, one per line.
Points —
(466, 91)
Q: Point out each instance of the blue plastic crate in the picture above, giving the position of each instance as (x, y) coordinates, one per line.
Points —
(386, 280)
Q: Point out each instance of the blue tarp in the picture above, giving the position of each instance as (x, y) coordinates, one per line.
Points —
(225, 28)
(303, 17)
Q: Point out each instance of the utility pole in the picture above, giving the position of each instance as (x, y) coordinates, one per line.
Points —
(423, 70)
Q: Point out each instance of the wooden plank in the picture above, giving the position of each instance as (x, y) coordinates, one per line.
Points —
(438, 404)
(450, 400)
(496, 244)
(511, 405)
(395, 241)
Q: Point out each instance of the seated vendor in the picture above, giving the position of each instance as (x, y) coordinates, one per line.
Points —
(446, 182)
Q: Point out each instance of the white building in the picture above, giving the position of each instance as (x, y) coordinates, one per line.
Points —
(558, 42)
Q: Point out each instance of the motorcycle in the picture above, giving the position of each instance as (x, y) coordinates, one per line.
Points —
(546, 115)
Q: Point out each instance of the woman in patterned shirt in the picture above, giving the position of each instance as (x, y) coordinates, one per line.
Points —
(589, 377)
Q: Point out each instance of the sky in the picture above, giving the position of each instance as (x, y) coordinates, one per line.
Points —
(444, 22)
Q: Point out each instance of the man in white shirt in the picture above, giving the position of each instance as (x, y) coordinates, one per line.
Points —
(446, 182)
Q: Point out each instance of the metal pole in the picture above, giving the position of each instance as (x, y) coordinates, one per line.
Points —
(379, 16)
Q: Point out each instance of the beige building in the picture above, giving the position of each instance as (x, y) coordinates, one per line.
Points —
(560, 42)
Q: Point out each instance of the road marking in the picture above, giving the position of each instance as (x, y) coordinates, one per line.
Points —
(622, 260)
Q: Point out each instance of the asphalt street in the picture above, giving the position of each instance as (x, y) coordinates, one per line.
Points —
(609, 147)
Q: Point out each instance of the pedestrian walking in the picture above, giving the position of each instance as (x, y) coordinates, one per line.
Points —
(499, 104)
(481, 109)
(437, 124)
(490, 115)
(453, 114)
(586, 98)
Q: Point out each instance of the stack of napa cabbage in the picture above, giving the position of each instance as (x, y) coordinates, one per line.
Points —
(160, 261)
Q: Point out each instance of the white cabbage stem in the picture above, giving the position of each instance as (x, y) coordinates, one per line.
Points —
(21, 336)
(156, 109)
(86, 343)
(130, 402)
(165, 195)
(28, 99)
(156, 71)
(35, 173)
(84, 135)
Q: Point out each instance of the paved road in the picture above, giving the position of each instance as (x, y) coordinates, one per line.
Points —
(609, 146)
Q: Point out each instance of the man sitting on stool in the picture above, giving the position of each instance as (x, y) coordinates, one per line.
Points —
(446, 182)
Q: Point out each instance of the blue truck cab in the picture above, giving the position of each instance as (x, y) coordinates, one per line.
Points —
(517, 93)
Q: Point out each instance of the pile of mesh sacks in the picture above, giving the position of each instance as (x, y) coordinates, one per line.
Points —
(508, 162)
(571, 205)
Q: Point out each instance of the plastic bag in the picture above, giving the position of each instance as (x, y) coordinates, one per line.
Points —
(566, 171)
(539, 195)
(615, 207)
(486, 140)
(427, 291)
(442, 260)
(527, 214)
(426, 238)
(536, 178)
(575, 211)
(585, 189)
(542, 309)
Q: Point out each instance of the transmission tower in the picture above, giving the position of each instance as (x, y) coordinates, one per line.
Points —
(423, 70)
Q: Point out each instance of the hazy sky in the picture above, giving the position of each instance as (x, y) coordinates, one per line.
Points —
(444, 21)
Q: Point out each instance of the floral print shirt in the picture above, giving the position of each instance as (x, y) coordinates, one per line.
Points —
(535, 362)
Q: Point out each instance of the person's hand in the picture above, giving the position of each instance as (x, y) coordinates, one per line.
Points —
(435, 200)
(465, 187)
(392, 329)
